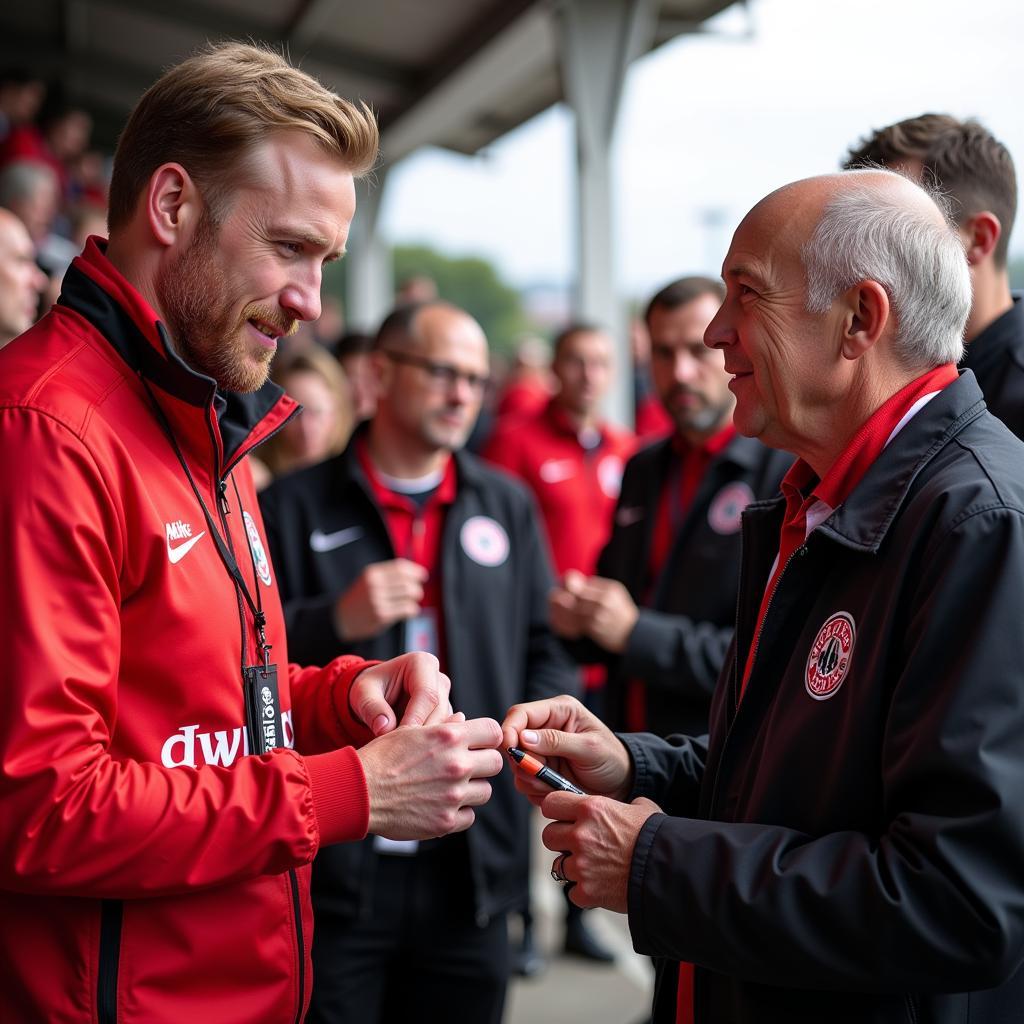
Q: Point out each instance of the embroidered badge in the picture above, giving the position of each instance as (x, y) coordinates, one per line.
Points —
(727, 507)
(829, 660)
(484, 540)
(259, 554)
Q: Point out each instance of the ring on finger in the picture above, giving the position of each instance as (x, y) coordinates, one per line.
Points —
(558, 869)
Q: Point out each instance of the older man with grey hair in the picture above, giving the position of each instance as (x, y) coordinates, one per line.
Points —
(848, 843)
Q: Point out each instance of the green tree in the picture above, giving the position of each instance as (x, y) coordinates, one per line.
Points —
(471, 283)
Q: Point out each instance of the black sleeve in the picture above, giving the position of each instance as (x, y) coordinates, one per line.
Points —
(933, 900)
(668, 771)
(676, 653)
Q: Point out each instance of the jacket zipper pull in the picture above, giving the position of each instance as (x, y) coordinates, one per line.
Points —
(225, 507)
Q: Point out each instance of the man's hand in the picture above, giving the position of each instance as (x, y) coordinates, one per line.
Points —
(598, 837)
(411, 686)
(574, 742)
(385, 593)
(606, 612)
(594, 607)
(425, 782)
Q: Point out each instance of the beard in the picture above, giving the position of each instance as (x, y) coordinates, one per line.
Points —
(699, 420)
(199, 310)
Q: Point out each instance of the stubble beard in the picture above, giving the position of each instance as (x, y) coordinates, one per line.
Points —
(198, 309)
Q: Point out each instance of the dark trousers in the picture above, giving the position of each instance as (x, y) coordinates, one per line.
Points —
(419, 955)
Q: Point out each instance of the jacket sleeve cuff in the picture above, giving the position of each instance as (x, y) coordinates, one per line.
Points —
(341, 800)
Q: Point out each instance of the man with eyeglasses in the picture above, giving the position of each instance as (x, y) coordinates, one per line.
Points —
(403, 542)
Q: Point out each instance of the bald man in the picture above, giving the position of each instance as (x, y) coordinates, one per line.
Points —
(848, 843)
(21, 281)
(401, 543)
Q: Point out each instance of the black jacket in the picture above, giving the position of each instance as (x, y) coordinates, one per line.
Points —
(686, 622)
(997, 358)
(499, 648)
(854, 851)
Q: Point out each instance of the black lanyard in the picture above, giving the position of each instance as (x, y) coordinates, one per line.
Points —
(226, 555)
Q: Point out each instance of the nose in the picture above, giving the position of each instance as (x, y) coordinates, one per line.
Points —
(685, 366)
(300, 298)
(719, 332)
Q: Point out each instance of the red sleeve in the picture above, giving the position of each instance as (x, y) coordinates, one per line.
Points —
(73, 818)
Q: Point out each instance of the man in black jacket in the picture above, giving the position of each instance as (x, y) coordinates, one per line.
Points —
(848, 845)
(975, 170)
(662, 607)
(398, 544)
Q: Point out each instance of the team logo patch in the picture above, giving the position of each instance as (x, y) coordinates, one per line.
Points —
(484, 540)
(727, 507)
(259, 554)
(609, 475)
(829, 660)
(554, 471)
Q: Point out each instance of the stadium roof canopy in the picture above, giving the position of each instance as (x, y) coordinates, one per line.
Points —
(451, 73)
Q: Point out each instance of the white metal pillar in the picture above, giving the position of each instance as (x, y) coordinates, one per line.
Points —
(369, 290)
(599, 39)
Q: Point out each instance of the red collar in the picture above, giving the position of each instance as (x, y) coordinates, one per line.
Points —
(867, 443)
(387, 498)
(560, 421)
(710, 446)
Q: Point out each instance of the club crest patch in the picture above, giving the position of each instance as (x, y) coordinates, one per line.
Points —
(609, 475)
(485, 541)
(727, 507)
(259, 554)
(831, 653)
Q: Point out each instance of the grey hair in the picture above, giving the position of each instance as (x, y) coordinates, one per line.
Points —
(868, 233)
(20, 179)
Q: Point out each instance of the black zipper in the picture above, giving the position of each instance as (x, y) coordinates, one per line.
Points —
(111, 915)
(299, 942)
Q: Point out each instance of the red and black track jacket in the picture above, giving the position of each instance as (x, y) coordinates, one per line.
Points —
(150, 870)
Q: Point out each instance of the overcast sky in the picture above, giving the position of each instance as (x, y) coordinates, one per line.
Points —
(709, 124)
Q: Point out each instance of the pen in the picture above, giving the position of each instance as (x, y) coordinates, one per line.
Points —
(541, 771)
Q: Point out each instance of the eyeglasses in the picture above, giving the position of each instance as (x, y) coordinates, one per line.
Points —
(441, 375)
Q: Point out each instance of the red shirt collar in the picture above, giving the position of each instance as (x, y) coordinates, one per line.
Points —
(710, 446)
(385, 497)
(867, 443)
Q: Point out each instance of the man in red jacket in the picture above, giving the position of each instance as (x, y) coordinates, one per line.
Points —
(166, 776)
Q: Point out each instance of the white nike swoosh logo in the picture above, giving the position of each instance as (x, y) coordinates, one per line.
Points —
(320, 541)
(177, 554)
(628, 516)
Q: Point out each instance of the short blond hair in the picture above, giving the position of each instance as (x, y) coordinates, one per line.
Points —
(209, 111)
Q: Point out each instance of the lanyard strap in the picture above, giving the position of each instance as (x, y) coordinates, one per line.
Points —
(225, 553)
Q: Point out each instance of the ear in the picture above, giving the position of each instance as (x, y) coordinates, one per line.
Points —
(981, 233)
(381, 370)
(866, 318)
(173, 204)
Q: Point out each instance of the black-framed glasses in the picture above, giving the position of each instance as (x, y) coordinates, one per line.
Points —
(441, 375)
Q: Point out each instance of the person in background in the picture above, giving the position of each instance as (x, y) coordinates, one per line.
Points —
(21, 280)
(572, 460)
(415, 288)
(324, 424)
(975, 170)
(406, 542)
(847, 844)
(21, 95)
(31, 191)
(661, 608)
(352, 350)
(528, 385)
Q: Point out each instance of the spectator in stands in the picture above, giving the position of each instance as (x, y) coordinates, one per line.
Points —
(404, 542)
(973, 168)
(323, 426)
(661, 609)
(847, 844)
(21, 96)
(572, 460)
(31, 191)
(352, 351)
(528, 386)
(21, 280)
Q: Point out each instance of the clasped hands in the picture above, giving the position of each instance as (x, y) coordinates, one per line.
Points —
(426, 773)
